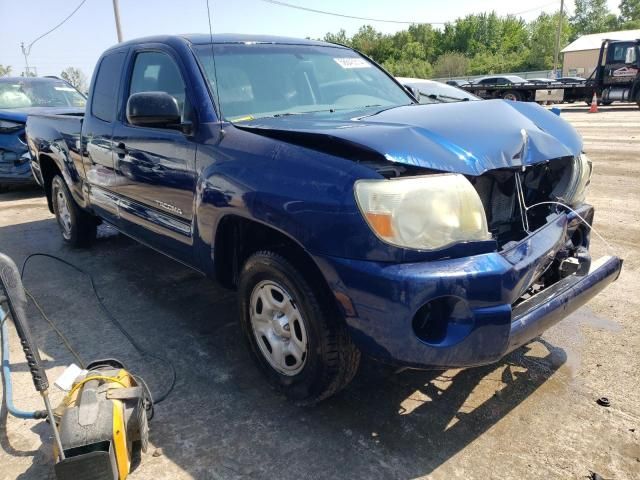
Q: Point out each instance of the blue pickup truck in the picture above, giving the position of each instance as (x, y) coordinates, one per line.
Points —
(348, 217)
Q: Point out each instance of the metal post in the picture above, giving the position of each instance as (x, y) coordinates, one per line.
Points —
(26, 59)
(116, 14)
(558, 34)
(54, 426)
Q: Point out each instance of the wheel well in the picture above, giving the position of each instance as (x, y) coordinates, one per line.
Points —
(238, 238)
(49, 169)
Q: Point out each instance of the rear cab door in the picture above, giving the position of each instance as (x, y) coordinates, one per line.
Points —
(155, 167)
(97, 130)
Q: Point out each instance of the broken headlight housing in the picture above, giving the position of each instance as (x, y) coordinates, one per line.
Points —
(423, 213)
(574, 193)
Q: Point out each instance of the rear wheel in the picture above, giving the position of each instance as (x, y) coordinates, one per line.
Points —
(295, 333)
(78, 227)
(512, 95)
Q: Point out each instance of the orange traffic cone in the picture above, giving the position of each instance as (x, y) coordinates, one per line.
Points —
(594, 104)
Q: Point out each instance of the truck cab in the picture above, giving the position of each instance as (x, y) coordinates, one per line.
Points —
(617, 75)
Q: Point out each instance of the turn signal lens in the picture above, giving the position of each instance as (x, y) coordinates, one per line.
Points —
(381, 224)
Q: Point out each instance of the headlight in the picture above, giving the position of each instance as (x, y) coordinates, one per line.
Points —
(580, 178)
(7, 126)
(425, 213)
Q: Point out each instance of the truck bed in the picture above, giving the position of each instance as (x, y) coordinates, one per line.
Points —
(55, 134)
(532, 92)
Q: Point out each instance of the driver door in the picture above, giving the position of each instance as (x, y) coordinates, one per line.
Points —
(155, 167)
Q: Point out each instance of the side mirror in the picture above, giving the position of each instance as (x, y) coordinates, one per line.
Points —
(415, 93)
(630, 58)
(153, 109)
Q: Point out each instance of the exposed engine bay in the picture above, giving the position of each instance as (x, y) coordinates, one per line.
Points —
(520, 200)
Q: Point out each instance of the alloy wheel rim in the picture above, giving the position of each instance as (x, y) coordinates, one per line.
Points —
(64, 215)
(278, 328)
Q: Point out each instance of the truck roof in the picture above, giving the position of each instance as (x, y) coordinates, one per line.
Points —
(205, 38)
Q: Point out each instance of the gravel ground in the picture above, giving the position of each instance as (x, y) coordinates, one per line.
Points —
(533, 415)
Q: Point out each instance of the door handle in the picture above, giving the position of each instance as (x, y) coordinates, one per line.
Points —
(120, 150)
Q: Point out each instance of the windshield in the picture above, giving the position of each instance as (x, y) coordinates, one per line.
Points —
(272, 80)
(436, 92)
(23, 93)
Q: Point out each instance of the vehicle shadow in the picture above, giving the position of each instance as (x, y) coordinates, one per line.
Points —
(222, 420)
(20, 192)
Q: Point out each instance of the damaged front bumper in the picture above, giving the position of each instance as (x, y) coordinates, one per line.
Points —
(466, 311)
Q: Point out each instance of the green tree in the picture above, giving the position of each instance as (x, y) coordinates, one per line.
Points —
(75, 77)
(5, 71)
(592, 16)
(414, 68)
(543, 40)
(339, 38)
(451, 64)
(629, 10)
(372, 43)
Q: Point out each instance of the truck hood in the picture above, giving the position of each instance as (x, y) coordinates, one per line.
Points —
(21, 114)
(466, 137)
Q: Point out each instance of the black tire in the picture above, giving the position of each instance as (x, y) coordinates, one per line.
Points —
(78, 228)
(331, 359)
(607, 103)
(512, 95)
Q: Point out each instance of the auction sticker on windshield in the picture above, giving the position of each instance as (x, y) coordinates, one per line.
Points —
(352, 62)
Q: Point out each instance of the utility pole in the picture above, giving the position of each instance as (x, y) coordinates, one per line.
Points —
(116, 14)
(26, 59)
(558, 34)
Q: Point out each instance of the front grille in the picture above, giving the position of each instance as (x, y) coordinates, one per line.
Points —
(497, 191)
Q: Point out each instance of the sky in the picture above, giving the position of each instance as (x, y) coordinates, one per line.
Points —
(80, 41)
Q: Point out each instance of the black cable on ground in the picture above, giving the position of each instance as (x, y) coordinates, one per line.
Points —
(140, 349)
(61, 335)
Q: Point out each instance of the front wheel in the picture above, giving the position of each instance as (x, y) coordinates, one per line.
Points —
(293, 331)
(78, 227)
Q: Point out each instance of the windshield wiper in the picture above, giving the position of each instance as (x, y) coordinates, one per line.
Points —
(284, 114)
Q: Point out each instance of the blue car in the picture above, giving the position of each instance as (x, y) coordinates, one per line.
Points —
(349, 218)
(20, 97)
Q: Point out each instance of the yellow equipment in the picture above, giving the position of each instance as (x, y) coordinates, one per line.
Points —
(99, 420)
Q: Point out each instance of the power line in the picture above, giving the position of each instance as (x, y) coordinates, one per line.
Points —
(381, 20)
(28, 49)
(335, 14)
(534, 9)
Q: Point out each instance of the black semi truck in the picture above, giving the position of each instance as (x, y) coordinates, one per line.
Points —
(615, 79)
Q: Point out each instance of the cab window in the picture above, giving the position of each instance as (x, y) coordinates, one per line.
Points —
(157, 72)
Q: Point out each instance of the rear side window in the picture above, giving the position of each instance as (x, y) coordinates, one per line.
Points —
(103, 101)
